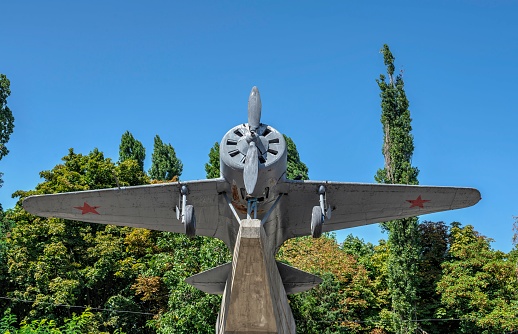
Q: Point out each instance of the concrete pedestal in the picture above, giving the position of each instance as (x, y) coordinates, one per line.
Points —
(254, 300)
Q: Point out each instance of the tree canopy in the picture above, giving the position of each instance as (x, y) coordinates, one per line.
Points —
(164, 163)
(212, 167)
(130, 148)
(6, 120)
(398, 148)
(6, 115)
(296, 169)
(125, 280)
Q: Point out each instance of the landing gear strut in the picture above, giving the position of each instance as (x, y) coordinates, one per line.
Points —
(320, 213)
(186, 213)
(190, 221)
(317, 220)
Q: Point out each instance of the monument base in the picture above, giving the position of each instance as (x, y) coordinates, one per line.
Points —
(254, 300)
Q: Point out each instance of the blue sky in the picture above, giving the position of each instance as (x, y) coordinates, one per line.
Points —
(82, 73)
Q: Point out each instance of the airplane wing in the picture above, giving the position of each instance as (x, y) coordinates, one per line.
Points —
(149, 206)
(356, 204)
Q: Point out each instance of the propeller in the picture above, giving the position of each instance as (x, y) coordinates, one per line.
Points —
(251, 171)
(254, 110)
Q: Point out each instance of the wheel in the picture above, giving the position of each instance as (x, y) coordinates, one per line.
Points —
(317, 219)
(190, 221)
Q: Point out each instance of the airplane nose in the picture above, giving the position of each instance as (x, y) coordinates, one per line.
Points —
(254, 109)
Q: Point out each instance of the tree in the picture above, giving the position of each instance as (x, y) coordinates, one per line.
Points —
(344, 302)
(6, 226)
(515, 229)
(6, 119)
(433, 238)
(296, 169)
(84, 323)
(164, 163)
(6, 116)
(398, 148)
(212, 168)
(478, 285)
(130, 148)
(188, 310)
(55, 261)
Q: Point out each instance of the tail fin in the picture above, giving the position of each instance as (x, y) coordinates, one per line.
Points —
(213, 280)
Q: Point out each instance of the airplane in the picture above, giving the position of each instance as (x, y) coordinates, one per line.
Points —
(253, 208)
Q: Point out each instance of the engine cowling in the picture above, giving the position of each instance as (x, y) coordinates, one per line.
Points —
(272, 156)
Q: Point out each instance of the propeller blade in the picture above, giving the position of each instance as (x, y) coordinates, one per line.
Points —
(254, 109)
(251, 170)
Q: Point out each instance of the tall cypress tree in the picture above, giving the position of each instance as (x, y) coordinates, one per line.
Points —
(130, 148)
(296, 169)
(6, 116)
(212, 167)
(398, 148)
(6, 119)
(164, 163)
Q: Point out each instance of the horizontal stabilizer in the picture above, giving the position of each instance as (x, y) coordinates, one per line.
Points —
(213, 280)
(296, 280)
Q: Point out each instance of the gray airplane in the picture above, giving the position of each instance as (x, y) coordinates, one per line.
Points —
(253, 208)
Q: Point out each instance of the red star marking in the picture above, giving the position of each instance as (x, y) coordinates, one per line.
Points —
(417, 202)
(87, 209)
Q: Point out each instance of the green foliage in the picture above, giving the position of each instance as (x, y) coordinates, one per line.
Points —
(54, 261)
(6, 226)
(184, 308)
(515, 229)
(164, 163)
(6, 115)
(6, 119)
(478, 285)
(212, 168)
(398, 142)
(296, 169)
(83, 323)
(7, 322)
(398, 148)
(433, 238)
(362, 251)
(344, 302)
(130, 148)
(86, 172)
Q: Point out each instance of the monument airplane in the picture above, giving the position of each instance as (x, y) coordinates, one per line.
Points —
(253, 208)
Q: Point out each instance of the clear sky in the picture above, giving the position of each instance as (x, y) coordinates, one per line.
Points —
(82, 73)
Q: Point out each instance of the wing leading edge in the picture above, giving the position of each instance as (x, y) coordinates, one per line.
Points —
(355, 204)
(149, 206)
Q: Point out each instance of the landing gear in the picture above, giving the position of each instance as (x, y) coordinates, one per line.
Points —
(320, 213)
(317, 220)
(186, 213)
(190, 221)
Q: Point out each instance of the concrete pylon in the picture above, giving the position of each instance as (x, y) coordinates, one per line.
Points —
(254, 300)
